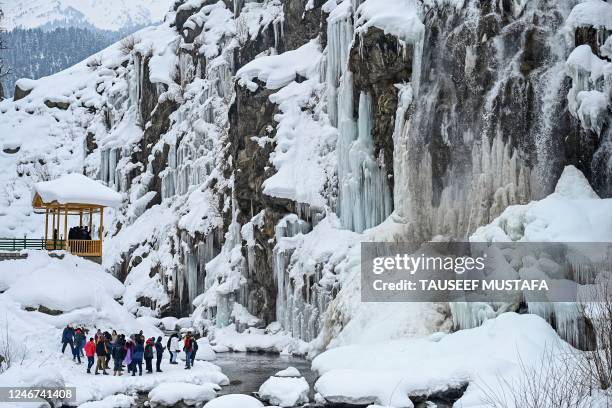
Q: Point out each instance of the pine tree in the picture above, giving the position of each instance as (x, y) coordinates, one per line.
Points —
(4, 69)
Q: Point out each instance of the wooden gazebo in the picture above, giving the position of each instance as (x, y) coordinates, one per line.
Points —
(69, 196)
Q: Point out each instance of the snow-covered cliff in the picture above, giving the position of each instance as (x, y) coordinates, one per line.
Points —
(256, 144)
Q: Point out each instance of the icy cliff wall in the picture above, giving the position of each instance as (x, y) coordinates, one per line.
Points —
(257, 143)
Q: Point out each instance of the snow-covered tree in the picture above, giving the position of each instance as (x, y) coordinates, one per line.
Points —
(4, 69)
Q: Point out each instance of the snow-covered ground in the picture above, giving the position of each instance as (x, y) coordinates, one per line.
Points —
(85, 295)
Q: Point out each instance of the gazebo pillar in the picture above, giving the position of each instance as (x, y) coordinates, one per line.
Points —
(101, 226)
(46, 226)
(66, 227)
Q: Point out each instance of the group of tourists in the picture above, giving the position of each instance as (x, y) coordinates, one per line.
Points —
(126, 352)
(79, 232)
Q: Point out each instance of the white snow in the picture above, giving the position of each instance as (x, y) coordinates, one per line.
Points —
(387, 373)
(256, 340)
(107, 15)
(589, 97)
(397, 17)
(71, 276)
(303, 156)
(288, 372)
(77, 188)
(596, 13)
(171, 393)
(285, 391)
(234, 401)
(573, 213)
(277, 71)
(205, 351)
(85, 292)
(114, 401)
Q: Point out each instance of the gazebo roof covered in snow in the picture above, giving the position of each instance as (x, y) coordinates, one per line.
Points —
(74, 189)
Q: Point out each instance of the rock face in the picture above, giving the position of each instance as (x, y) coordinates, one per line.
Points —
(430, 133)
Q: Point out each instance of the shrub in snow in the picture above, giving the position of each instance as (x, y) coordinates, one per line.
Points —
(171, 393)
(234, 401)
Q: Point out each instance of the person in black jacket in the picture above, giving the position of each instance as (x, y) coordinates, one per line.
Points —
(118, 354)
(148, 354)
(159, 351)
(102, 353)
(194, 350)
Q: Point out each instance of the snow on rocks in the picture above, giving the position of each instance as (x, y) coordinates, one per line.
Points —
(573, 213)
(387, 373)
(171, 393)
(397, 17)
(589, 97)
(114, 401)
(286, 388)
(595, 13)
(234, 401)
(71, 277)
(277, 71)
(288, 372)
(205, 351)
(256, 340)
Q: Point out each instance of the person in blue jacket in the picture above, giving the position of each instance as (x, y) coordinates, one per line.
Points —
(138, 355)
(68, 338)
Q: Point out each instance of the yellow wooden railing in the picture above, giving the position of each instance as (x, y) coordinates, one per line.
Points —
(79, 247)
(82, 247)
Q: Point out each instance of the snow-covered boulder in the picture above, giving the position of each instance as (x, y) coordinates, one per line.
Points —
(57, 284)
(234, 401)
(115, 401)
(285, 391)
(288, 372)
(168, 323)
(387, 373)
(171, 393)
(205, 351)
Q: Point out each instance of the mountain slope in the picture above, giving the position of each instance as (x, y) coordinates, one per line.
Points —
(115, 15)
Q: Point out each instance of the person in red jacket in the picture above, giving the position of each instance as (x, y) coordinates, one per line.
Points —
(90, 352)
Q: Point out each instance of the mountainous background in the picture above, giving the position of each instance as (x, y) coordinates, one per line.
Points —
(45, 37)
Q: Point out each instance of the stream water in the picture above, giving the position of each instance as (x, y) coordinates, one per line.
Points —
(247, 371)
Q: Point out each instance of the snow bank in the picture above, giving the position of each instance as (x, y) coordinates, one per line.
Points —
(114, 401)
(596, 13)
(387, 373)
(277, 71)
(77, 188)
(58, 284)
(234, 401)
(171, 393)
(573, 213)
(285, 391)
(257, 340)
(397, 17)
(205, 351)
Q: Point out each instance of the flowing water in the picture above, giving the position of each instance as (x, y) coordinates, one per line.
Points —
(247, 371)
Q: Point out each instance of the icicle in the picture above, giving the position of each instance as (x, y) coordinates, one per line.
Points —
(365, 197)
